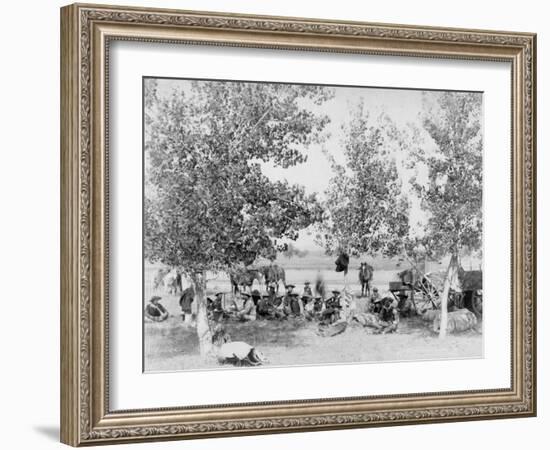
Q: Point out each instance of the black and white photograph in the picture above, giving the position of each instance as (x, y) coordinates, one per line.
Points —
(300, 224)
(275, 225)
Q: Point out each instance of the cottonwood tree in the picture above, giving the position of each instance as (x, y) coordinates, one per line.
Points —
(208, 206)
(452, 193)
(366, 212)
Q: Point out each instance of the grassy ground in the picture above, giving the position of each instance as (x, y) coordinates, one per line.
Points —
(173, 345)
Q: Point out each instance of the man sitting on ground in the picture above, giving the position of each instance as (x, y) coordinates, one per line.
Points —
(248, 311)
(375, 298)
(292, 305)
(318, 307)
(309, 304)
(217, 311)
(256, 296)
(332, 309)
(389, 316)
(263, 308)
(267, 310)
(274, 300)
(154, 311)
(287, 300)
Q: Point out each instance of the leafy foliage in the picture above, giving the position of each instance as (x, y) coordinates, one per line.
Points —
(208, 205)
(366, 211)
(453, 191)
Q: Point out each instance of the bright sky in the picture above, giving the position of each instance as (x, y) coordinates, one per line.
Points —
(403, 106)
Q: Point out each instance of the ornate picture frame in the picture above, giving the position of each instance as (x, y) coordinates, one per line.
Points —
(86, 34)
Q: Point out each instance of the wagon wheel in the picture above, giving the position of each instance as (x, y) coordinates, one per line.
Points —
(424, 302)
(430, 294)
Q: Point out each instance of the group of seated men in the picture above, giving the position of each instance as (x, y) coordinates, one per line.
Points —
(381, 312)
(279, 307)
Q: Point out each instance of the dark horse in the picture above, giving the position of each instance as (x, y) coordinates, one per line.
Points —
(273, 274)
(365, 277)
(244, 278)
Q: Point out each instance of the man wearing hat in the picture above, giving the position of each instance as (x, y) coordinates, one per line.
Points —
(405, 305)
(256, 296)
(287, 298)
(307, 289)
(154, 311)
(296, 305)
(332, 308)
(248, 311)
(217, 311)
(263, 308)
(318, 306)
(291, 304)
(389, 316)
(374, 303)
(186, 303)
(274, 300)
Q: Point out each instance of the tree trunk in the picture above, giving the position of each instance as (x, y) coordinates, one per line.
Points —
(203, 327)
(451, 273)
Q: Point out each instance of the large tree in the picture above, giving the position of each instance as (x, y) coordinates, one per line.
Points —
(208, 206)
(366, 211)
(452, 190)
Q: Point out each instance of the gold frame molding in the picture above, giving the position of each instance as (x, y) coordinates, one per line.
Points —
(86, 31)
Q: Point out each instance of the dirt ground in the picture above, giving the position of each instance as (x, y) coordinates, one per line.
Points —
(173, 345)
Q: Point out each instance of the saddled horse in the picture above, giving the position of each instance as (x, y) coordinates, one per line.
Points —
(273, 274)
(366, 272)
(244, 278)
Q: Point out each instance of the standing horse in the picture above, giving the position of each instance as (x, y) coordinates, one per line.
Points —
(172, 281)
(366, 272)
(158, 281)
(273, 274)
(244, 278)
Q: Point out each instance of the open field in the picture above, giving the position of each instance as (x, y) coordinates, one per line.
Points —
(173, 345)
(295, 274)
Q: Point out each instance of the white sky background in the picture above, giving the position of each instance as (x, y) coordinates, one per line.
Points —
(402, 106)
